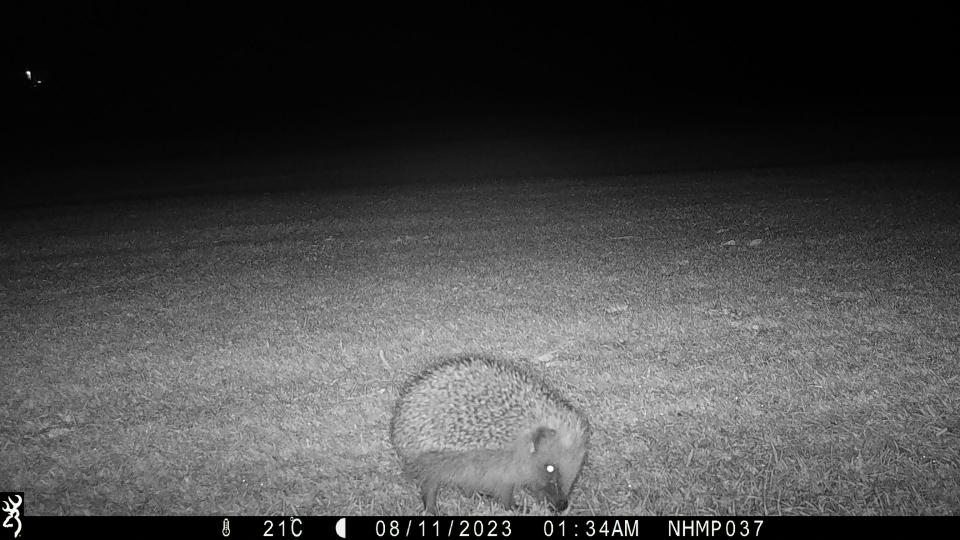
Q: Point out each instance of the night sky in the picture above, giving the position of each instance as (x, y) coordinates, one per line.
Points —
(110, 60)
(124, 71)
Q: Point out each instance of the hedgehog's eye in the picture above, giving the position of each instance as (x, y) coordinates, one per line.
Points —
(551, 468)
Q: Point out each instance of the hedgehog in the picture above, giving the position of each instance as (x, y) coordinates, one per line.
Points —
(490, 426)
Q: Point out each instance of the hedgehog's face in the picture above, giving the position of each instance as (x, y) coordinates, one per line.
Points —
(557, 463)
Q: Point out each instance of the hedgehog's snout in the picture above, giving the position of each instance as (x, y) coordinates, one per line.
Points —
(560, 505)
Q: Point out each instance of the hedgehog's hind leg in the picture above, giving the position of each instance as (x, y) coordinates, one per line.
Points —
(428, 492)
(505, 496)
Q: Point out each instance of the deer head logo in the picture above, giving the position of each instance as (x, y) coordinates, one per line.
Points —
(13, 513)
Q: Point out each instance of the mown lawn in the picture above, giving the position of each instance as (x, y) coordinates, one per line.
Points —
(767, 341)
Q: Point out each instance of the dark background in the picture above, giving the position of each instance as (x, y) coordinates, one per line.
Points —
(128, 76)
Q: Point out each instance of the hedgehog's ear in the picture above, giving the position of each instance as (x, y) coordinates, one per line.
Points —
(541, 435)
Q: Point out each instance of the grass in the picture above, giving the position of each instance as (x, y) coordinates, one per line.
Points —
(771, 341)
